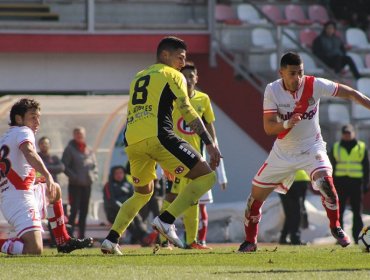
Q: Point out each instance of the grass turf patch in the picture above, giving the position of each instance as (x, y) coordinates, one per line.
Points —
(269, 262)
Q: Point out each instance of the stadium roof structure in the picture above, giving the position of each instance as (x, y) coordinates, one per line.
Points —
(103, 116)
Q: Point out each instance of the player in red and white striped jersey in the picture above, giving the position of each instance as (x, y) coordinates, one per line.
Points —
(291, 112)
(23, 203)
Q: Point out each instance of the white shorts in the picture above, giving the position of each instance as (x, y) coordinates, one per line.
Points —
(24, 210)
(278, 171)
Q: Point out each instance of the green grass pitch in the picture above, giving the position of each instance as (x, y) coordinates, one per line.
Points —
(269, 262)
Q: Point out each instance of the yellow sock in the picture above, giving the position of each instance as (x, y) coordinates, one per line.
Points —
(129, 210)
(191, 194)
(164, 207)
(191, 220)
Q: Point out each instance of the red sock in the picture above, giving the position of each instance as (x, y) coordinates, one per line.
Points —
(56, 219)
(331, 207)
(252, 220)
(202, 233)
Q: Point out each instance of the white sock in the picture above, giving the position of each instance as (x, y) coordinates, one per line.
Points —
(13, 246)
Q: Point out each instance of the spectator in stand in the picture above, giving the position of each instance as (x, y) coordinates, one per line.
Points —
(82, 170)
(355, 13)
(350, 161)
(116, 191)
(329, 47)
(52, 162)
(55, 166)
(294, 209)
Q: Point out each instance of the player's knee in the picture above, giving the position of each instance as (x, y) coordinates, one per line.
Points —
(327, 189)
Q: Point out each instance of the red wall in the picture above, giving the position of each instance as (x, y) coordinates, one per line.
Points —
(237, 98)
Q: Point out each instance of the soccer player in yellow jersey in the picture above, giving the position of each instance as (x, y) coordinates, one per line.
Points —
(150, 139)
(202, 104)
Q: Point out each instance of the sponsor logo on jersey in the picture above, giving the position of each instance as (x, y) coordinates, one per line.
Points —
(135, 180)
(307, 115)
(311, 101)
(179, 169)
(183, 127)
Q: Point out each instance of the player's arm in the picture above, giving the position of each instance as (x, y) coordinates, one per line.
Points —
(196, 124)
(349, 93)
(273, 127)
(220, 170)
(36, 162)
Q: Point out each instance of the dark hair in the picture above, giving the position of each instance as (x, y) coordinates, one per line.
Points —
(290, 58)
(42, 139)
(190, 66)
(330, 22)
(113, 170)
(170, 43)
(21, 107)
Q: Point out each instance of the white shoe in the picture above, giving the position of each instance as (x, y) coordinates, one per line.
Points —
(108, 247)
(168, 231)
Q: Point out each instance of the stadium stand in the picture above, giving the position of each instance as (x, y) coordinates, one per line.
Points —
(357, 38)
(318, 13)
(226, 14)
(306, 37)
(26, 11)
(274, 14)
(248, 13)
(295, 14)
(360, 63)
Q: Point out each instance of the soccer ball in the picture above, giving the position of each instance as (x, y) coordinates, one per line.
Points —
(364, 239)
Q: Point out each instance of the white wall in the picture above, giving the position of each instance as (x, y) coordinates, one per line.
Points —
(70, 72)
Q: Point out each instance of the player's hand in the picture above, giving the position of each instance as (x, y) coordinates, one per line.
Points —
(223, 186)
(51, 188)
(296, 118)
(214, 155)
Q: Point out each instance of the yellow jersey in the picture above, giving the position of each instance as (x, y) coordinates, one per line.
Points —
(153, 92)
(202, 105)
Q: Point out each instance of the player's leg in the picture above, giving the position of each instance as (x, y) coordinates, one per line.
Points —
(340, 187)
(356, 206)
(191, 222)
(55, 215)
(324, 183)
(84, 207)
(276, 173)
(203, 217)
(143, 173)
(203, 222)
(253, 215)
(21, 211)
(180, 158)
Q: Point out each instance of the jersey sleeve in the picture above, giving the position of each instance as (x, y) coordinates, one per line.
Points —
(24, 135)
(208, 114)
(269, 105)
(324, 87)
(177, 84)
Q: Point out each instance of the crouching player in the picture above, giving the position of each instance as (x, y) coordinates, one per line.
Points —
(23, 203)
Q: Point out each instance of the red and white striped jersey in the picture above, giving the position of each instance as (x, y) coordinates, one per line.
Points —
(277, 99)
(15, 172)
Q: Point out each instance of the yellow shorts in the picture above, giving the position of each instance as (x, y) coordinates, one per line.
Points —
(172, 153)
